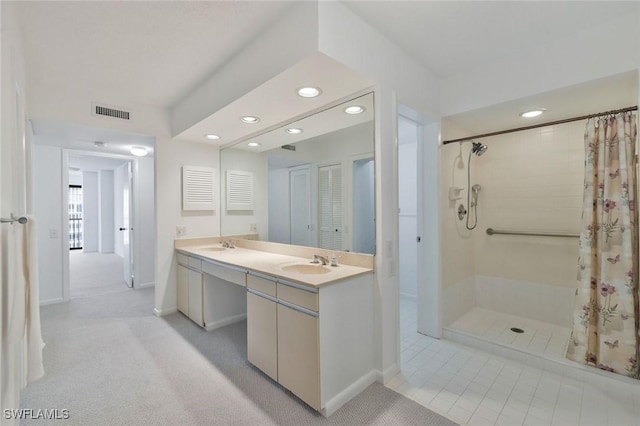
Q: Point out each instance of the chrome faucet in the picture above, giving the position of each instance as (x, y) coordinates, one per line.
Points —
(317, 259)
(228, 244)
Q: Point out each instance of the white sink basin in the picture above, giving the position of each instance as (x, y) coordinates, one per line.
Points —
(212, 248)
(306, 269)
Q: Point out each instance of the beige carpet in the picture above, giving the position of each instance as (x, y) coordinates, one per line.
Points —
(92, 274)
(109, 361)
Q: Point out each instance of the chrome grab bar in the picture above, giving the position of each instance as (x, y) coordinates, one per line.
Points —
(491, 231)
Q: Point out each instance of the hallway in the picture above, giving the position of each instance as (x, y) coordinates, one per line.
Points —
(93, 274)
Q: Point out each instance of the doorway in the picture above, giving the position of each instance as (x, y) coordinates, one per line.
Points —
(419, 224)
(100, 208)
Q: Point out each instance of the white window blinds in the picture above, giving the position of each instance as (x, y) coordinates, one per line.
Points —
(330, 207)
(239, 190)
(198, 188)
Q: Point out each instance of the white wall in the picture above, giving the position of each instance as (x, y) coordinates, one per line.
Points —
(279, 190)
(107, 236)
(347, 38)
(144, 222)
(170, 157)
(91, 212)
(47, 173)
(75, 178)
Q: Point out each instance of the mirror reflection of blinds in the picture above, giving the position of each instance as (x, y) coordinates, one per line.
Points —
(239, 190)
(330, 207)
(198, 188)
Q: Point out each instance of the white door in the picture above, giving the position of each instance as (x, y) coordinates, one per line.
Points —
(363, 217)
(330, 207)
(127, 220)
(300, 205)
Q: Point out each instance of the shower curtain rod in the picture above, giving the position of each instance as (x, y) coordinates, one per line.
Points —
(535, 126)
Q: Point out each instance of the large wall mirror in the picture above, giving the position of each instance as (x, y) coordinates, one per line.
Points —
(309, 183)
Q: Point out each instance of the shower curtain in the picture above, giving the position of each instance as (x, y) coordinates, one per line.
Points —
(605, 326)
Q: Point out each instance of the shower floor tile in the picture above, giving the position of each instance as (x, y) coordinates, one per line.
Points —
(475, 387)
(539, 337)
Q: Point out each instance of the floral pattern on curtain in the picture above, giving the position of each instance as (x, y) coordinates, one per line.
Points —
(605, 327)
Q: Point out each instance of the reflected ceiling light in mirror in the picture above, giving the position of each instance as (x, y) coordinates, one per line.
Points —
(354, 109)
(138, 151)
(254, 144)
(309, 92)
(294, 131)
(532, 113)
(249, 119)
(212, 137)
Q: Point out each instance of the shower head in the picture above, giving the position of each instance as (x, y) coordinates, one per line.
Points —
(479, 149)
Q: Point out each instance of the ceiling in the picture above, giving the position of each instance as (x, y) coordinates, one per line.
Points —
(94, 164)
(277, 101)
(323, 122)
(71, 136)
(156, 53)
(150, 52)
(453, 36)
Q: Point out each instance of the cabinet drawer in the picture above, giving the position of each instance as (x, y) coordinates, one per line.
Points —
(195, 263)
(232, 275)
(306, 299)
(183, 259)
(262, 285)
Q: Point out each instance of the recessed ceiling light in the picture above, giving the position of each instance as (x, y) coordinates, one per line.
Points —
(138, 151)
(254, 144)
(294, 131)
(354, 109)
(532, 113)
(211, 136)
(309, 92)
(249, 119)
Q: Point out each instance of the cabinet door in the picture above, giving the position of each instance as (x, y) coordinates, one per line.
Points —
(298, 354)
(183, 290)
(195, 297)
(262, 336)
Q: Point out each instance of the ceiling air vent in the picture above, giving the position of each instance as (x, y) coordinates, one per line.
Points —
(107, 111)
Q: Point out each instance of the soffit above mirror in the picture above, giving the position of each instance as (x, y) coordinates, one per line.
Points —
(323, 122)
(276, 102)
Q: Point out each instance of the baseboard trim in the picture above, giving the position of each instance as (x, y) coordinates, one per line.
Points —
(51, 301)
(388, 374)
(224, 322)
(349, 393)
(145, 285)
(162, 312)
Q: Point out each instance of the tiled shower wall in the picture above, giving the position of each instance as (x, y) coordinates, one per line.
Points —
(531, 181)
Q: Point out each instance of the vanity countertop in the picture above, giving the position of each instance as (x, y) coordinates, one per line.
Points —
(273, 263)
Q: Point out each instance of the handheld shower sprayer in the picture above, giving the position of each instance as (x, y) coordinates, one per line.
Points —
(474, 191)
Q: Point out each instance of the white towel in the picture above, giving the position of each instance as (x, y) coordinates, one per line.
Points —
(24, 311)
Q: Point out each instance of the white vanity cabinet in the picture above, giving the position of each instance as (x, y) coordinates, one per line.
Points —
(316, 342)
(190, 288)
(262, 334)
(211, 294)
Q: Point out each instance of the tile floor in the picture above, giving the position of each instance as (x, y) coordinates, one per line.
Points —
(539, 337)
(474, 387)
